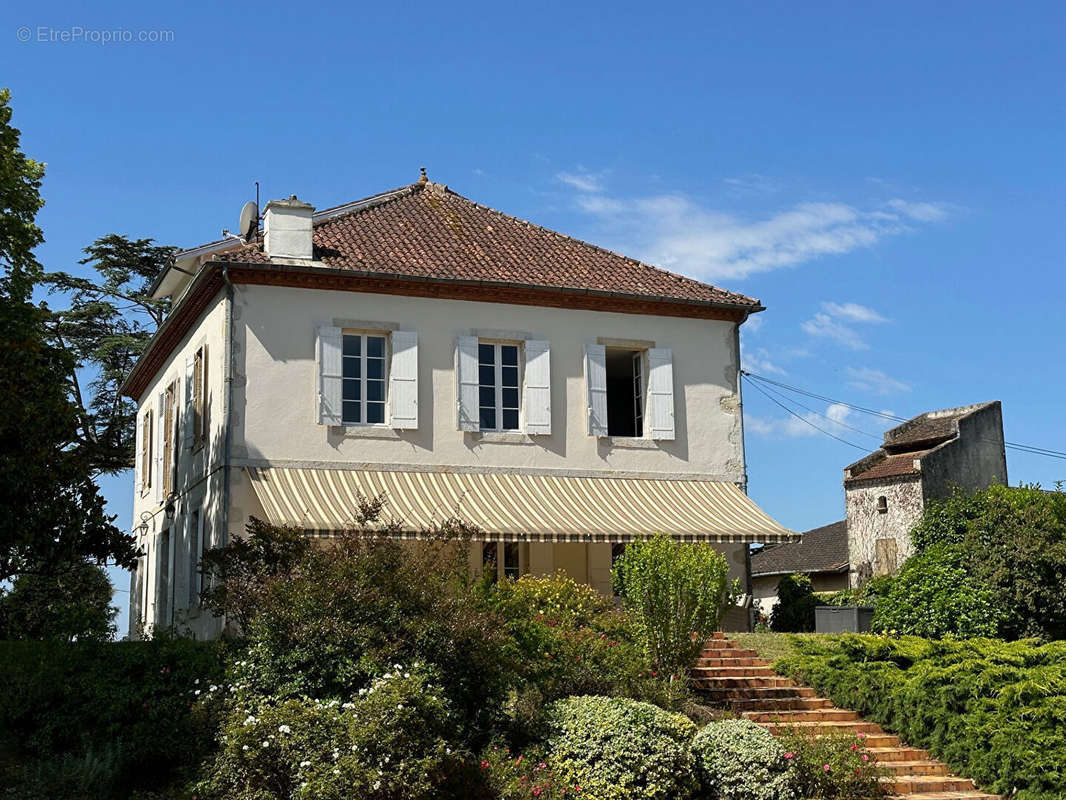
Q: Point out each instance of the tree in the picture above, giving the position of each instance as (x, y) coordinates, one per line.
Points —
(72, 604)
(108, 325)
(20, 200)
(794, 612)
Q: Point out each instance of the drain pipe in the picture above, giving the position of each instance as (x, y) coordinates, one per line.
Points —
(227, 399)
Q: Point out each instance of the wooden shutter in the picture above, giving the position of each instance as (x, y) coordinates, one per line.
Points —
(403, 380)
(661, 392)
(189, 440)
(596, 388)
(330, 350)
(538, 388)
(138, 458)
(467, 383)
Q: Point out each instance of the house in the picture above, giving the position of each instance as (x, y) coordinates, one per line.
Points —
(885, 493)
(563, 398)
(821, 554)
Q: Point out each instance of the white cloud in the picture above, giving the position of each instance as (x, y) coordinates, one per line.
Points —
(874, 380)
(673, 231)
(582, 180)
(836, 322)
(833, 421)
(752, 184)
(760, 361)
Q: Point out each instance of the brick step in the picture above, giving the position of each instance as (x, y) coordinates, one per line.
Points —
(914, 784)
(731, 662)
(741, 682)
(974, 795)
(909, 768)
(719, 644)
(771, 704)
(754, 693)
(890, 754)
(718, 636)
(727, 652)
(804, 715)
(725, 672)
(848, 726)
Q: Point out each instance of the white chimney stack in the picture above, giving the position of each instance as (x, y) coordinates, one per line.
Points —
(287, 229)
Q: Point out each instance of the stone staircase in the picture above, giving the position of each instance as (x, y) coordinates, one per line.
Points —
(731, 676)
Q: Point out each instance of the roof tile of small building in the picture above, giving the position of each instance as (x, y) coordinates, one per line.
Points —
(429, 231)
(822, 549)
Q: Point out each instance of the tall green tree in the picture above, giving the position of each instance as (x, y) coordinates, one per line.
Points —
(73, 604)
(109, 322)
(20, 200)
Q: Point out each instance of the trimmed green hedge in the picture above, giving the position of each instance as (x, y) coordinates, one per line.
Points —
(103, 719)
(994, 711)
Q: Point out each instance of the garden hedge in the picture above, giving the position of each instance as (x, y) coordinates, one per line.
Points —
(994, 711)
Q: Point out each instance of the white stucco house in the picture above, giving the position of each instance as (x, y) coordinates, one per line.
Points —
(564, 398)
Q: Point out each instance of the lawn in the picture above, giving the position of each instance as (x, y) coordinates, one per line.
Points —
(772, 646)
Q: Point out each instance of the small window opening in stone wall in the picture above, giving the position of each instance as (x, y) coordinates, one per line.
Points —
(882, 505)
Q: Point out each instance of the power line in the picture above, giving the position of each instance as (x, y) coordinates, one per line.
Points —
(803, 419)
(823, 416)
(1018, 446)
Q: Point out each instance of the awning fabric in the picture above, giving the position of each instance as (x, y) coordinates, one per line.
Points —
(514, 507)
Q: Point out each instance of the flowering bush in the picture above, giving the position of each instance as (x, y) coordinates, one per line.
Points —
(832, 766)
(523, 776)
(553, 598)
(390, 740)
(738, 760)
(618, 749)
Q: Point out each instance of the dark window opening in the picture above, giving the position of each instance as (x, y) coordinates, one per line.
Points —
(882, 505)
(625, 392)
(489, 559)
(510, 560)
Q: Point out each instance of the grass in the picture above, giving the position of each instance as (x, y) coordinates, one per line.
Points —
(770, 646)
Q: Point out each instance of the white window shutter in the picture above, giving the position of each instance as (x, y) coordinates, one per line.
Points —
(330, 352)
(538, 398)
(187, 422)
(161, 418)
(138, 442)
(403, 380)
(661, 392)
(467, 383)
(596, 387)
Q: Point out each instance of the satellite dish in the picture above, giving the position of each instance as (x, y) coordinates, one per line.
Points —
(249, 223)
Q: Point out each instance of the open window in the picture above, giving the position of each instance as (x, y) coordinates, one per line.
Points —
(625, 392)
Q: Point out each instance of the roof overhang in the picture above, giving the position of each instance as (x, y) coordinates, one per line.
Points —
(518, 507)
(834, 570)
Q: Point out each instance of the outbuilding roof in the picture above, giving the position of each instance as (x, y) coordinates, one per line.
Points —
(822, 549)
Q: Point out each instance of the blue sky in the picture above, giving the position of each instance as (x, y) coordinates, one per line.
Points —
(888, 181)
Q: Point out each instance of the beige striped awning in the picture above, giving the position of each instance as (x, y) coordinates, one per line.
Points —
(515, 507)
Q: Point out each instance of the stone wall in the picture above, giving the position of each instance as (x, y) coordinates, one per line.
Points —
(867, 525)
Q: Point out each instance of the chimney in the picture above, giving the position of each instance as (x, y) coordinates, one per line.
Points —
(287, 229)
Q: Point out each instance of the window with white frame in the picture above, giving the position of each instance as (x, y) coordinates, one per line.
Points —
(625, 392)
(363, 379)
(498, 386)
(146, 451)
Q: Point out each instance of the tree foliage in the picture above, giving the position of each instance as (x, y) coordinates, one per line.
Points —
(676, 591)
(71, 604)
(794, 612)
(20, 200)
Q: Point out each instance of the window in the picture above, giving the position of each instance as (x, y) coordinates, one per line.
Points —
(144, 583)
(195, 539)
(169, 424)
(488, 559)
(625, 392)
(363, 389)
(199, 397)
(882, 505)
(498, 384)
(510, 560)
(163, 588)
(146, 451)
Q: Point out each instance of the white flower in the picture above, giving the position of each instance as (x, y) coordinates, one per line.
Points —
(284, 729)
(197, 693)
(196, 682)
(336, 772)
(305, 763)
(377, 784)
(266, 743)
(214, 688)
(245, 747)
(250, 720)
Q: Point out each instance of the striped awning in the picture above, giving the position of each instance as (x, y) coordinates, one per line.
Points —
(515, 507)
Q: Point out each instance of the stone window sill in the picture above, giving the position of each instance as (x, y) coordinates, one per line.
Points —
(365, 432)
(629, 443)
(502, 437)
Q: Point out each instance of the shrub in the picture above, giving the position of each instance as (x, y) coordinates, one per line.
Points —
(101, 719)
(1012, 543)
(675, 592)
(618, 749)
(738, 760)
(523, 776)
(832, 765)
(993, 711)
(388, 742)
(71, 604)
(936, 595)
(794, 612)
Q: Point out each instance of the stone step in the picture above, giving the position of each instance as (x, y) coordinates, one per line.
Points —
(803, 715)
(724, 672)
(745, 693)
(741, 682)
(848, 726)
(718, 644)
(778, 703)
(891, 754)
(915, 784)
(728, 652)
(731, 662)
(923, 767)
(974, 795)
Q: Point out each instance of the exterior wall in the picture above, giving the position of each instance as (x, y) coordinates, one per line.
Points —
(975, 460)
(277, 419)
(764, 587)
(198, 486)
(866, 525)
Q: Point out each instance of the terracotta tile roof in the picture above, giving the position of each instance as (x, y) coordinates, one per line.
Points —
(922, 431)
(822, 549)
(891, 466)
(428, 231)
